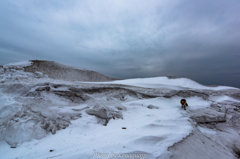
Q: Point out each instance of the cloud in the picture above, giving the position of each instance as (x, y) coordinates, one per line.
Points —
(127, 39)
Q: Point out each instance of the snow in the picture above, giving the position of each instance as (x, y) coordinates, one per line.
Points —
(207, 131)
(165, 82)
(39, 114)
(218, 99)
(22, 63)
(148, 131)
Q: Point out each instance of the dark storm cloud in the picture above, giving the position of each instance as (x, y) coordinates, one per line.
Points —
(127, 39)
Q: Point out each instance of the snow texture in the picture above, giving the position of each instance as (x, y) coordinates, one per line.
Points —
(50, 110)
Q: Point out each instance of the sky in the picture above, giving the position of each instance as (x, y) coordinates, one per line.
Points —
(125, 39)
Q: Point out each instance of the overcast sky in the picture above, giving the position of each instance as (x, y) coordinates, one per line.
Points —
(127, 38)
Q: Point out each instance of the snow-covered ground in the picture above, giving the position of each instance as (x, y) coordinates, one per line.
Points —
(165, 82)
(41, 117)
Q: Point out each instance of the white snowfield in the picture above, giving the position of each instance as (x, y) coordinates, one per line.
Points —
(20, 64)
(165, 82)
(45, 118)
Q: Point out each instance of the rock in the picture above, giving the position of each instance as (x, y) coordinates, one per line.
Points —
(43, 88)
(56, 70)
(38, 74)
(207, 116)
(104, 113)
(152, 107)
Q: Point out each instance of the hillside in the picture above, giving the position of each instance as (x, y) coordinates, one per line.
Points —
(59, 71)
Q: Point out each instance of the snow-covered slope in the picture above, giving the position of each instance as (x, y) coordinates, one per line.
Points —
(166, 82)
(49, 110)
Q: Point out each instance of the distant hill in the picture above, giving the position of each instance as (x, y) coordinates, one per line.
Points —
(59, 71)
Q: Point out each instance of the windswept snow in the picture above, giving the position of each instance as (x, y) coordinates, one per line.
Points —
(165, 82)
(42, 117)
(21, 64)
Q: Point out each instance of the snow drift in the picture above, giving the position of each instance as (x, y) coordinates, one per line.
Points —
(50, 110)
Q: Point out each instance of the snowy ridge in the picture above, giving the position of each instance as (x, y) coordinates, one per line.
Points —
(56, 117)
(165, 82)
(59, 71)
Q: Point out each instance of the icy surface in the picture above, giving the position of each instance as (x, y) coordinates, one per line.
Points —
(41, 117)
(165, 82)
(22, 63)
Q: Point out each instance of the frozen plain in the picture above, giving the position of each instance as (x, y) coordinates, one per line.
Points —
(50, 113)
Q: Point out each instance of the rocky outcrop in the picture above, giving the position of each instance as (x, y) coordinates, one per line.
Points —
(187, 94)
(208, 116)
(152, 107)
(103, 112)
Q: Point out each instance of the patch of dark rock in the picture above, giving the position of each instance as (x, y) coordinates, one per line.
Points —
(122, 98)
(173, 77)
(56, 70)
(80, 109)
(57, 85)
(76, 97)
(120, 91)
(237, 109)
(207, 120)
(236, 148)
(54, 125)
(238, 154)
(152, 107)
(210, 120)
(124, 128)
(43, 89)
(187, 94)
(13, 146)
(33, 94)
(51, 150)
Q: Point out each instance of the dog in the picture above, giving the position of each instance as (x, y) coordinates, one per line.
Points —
(184, 103)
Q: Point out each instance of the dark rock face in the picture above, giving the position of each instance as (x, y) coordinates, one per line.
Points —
(59, 71)
(152, 107)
